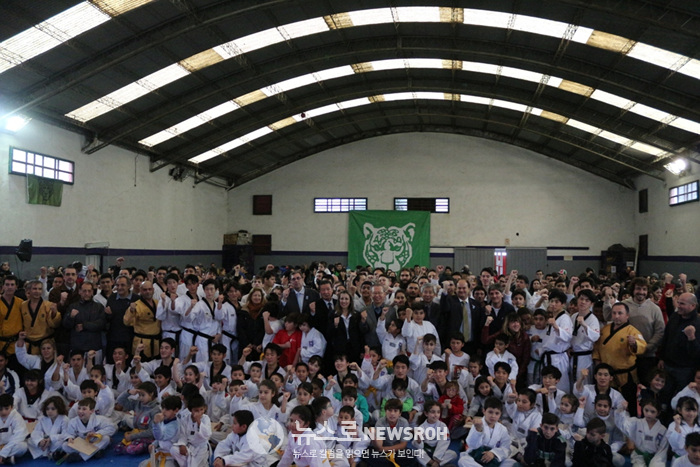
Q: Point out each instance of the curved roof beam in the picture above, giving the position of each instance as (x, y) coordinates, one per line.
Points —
(529, 24)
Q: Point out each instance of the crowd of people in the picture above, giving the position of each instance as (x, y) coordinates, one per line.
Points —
(361, 367)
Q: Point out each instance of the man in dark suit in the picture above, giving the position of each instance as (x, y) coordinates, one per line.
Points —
(323, 308)
(454, 308)
(432, 309)
(297, 297)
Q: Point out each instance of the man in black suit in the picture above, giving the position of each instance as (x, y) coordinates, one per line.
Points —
(323, 308)
(297, 297)
(454, 309)
(64, 297)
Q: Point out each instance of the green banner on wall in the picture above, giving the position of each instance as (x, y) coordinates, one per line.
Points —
(389, 239)
(42, 190)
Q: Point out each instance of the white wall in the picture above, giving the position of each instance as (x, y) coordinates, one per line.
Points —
(115, 198)
(673, 231)
(497, 192)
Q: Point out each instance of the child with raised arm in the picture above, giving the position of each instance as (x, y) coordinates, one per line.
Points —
(47, 438)
(234, 450)
(684, 422)
(192, 447)
(13, 431)
(501, 354)
(603, 376)
(525, 417)
(648, 434)
(488, 439)
(93, 428)
(457, 360)
(423, 355)
(303, 449)
(165, 432)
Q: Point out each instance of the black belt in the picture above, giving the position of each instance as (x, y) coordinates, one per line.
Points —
(8, 341)
(228, 334)
(152, 338)
(177, 335)
(36, 343)
(547, 356)
(576, 355)
(624, 370)
(196, 334)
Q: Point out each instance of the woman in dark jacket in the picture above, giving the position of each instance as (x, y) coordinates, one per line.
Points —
(344, 336)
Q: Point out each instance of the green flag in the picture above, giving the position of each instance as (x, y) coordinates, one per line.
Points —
(389, 239)
(42, 190)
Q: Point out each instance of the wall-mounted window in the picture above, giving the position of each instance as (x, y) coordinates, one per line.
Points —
(435, 205)
(683, 194)
(340, 204)
(23, 162)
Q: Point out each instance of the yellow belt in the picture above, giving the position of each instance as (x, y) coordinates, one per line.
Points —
(132, 432)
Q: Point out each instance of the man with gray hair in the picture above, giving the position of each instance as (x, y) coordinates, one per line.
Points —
(680, 349)
(432, 309)
(369, 317)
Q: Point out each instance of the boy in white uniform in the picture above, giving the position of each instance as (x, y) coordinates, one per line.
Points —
(13, 431)
(192, 446)
(95, 429)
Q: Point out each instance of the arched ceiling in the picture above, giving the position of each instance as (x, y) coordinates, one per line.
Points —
(235, 89)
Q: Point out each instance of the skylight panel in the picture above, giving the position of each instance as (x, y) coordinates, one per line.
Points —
(219, 110)
(303, 28)
(322, 110)
(582, 35)
(373, 16)
(475, 99)
(615, 138)
(257, 40)
(259, 133)
(157, 138)
(521, 74)
(650, 112)
(656, 56)
(238, 142)
(332, 73)
(653, 150)
(205, 156)
(278, 125)
(418, 14)
(293, 83)
(583, 126)
(687, 125)
(435, 96)
(118, 7)
(398, 96)
(509, 105)
(691, 68)
(493, 19)
(611, 42)
(611, 99)
(201, 60)
(434, 63)
(49, 34)
(391, 64)
(543, 26)
(478, 67)
(535, 111)
(353, 103)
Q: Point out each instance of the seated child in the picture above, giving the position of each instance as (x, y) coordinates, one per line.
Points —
(384, 451)
(296, 377)
(165, 433)
(29, 399)
(548, 395)
(312, 340)
(351, 441)
(326, 427)
(483, 392)
(468, 376)
(163, 379)
(691, 390)
(593, 450)
(546, 446)
(488, 440)
(603, 411)
(648, 434)
(399, 389)
(93, 428)
(89, 389)
(303, 396)
(145, 408)
(603, 377)
(393, 342)
(434, 450)
(525, 417)
(192, 446)
(234, 450)
(218, 406)
(684, 422)
(48, 435)
(303, 448)
(452, 405)
(423, 355)
(13, 431)
(692, 447)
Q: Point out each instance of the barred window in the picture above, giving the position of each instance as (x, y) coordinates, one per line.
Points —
(23, 162)
(434, 205)
(326, 205)
(683, 194)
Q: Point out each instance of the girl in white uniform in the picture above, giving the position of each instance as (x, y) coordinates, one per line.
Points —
(50, 430)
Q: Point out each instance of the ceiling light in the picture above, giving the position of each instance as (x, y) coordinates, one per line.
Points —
(677, 166)
(15, 123)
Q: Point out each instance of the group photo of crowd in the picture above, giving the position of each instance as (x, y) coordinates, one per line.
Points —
(193, 365)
